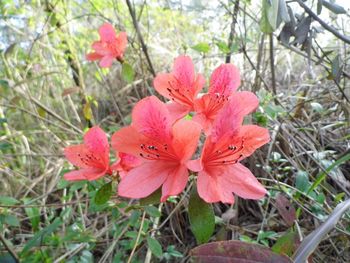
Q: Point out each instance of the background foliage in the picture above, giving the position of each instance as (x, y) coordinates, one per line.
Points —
(50, 94)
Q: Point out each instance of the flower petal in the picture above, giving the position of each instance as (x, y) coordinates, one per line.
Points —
(106, 61)
(183, 71)
(76, 154)
(254, 137)
(162, 84)
(125, 163)
(143, 180)
(185, 138)
(224, 80)
(175, 182)
(177, 111)
(93, 56)
(199, 83)
(151, 118)
(210, 190)
(230, 117)
(128, 140)
(121, 43)
(204, 121)
(239, 180)
(207, 108)
(107, 33)
(96, 141)
(84, 174)
(101, 48)
(195, 165)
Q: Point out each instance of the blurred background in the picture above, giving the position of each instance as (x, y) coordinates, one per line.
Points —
(293, 54)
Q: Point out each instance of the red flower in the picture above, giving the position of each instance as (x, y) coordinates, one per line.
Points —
(219, 172)
(165, 149)
(125, 163)
(109, 47)
(181, 86)
(92, 156)
(223, 83)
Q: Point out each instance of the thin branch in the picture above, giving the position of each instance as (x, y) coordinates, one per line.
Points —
(323, 24)
(232, 32)
(143, 45)
(272, 66)
(137, 238)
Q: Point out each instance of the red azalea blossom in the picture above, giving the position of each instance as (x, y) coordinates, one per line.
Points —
(219, 172)
(125, 163)
(181, 86)
(164, 148)
(109, 47)
(223, 83)
(92, 156)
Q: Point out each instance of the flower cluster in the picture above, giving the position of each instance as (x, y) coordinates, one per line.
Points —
(110, 46)
(157, 148)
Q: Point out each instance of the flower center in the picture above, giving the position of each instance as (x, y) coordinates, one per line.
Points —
(157, 152)
(226, 155)
(182, 96)
(90, 159)
(216, 102)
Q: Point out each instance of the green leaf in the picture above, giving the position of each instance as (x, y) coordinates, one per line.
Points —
(38, 237)
(336, 9)
(34, 216)
(265, 25)
(154, 246)
(223, 47)
(339, 197)
(173, 252)
(87, 111)
(7, 258)
(302, 181)
(266, 234)
(152, 199)
(202, 218)
(272, 13)
(10, 220)
(103, 194)
(202, 47)
(7, 200)
(286, 244)
(319, 6)
(336, 69)
(323, 175)
(321, 198)
(152, 211)
(283, 13)
(41, 112)
(127, 73)
(4, 83)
